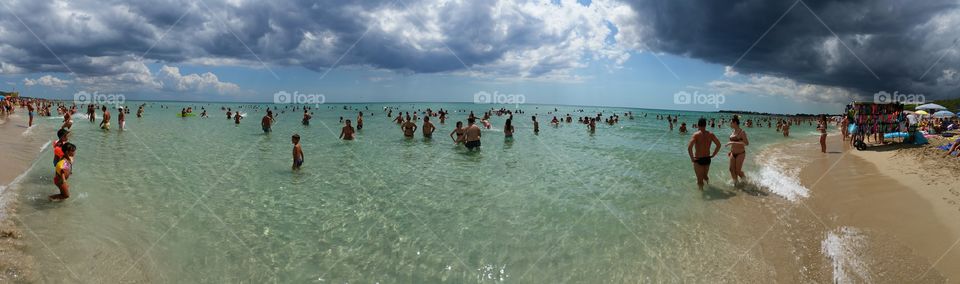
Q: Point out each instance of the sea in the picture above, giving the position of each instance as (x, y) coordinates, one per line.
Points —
(203, 200)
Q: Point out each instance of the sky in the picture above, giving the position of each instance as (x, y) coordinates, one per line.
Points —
(756, 55)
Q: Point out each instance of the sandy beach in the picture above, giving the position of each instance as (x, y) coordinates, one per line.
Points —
(885, 215)
(19, 153)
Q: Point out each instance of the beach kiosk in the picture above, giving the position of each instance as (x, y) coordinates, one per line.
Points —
(882, 121)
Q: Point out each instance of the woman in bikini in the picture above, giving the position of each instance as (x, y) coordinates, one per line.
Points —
(822, 127)
(459, 132)
(738, 149)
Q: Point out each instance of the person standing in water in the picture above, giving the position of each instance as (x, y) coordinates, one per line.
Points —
(822, 127)
(67, 120)
(236, 119)
(121, 119)
(428, 127)
(267, 121)
(346, 133)
(306, 117)
(63, 136)
(536, 125)
(459, 132)
(105, 123)
(508, 129)
(699, 151)
(738, 149)
(30, 113)
(409, 128)
(91, 113)
(360, 121)
(297, 152)
(471, 135)
(63, 171)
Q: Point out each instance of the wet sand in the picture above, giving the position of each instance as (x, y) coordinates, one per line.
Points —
(19, 148)
(884, 215)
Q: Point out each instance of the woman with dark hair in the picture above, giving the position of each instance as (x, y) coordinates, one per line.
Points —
(738, 149)
(459, 132)
(822, 127)
(508, 129)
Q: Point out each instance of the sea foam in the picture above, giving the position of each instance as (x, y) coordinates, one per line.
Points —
(843, 246)
(776, 176)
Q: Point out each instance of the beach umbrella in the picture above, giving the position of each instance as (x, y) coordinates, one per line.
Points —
(931, 107)
(920, 112)
(942, 114)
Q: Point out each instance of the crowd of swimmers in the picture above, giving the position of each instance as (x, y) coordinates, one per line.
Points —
(702, 147)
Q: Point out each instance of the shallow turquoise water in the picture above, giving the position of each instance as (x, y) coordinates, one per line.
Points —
(201, 200)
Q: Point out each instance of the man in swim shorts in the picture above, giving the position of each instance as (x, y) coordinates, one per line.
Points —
(105, 123)
(472, 135)
(267, 121)
(701, 141)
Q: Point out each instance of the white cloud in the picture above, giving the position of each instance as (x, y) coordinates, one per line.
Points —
(170, 79)
(768, 85)
(7, 68)
(729, 72)
(47, 81)
(537, 39)
(950, 77)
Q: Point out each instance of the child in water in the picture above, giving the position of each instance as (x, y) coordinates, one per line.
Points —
(63, 171)
(297, 152)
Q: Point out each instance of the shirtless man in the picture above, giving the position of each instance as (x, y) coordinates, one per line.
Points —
(105, 123)
(701, 141)
(267, 122)
(471, 135)
(409, 128)
(428, 127)
(346, 133)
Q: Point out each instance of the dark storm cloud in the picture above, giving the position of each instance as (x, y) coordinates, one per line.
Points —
(423, 36)
(897, 40)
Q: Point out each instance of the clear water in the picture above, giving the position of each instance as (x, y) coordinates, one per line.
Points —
(200, 200)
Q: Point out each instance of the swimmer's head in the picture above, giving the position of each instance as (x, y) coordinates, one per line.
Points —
(295, 138)
(347, 122)
(471, 120)
(62, 133)
(735, 120)
(459, 123)
(702, 122)
(69, 149)
(426, 118)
